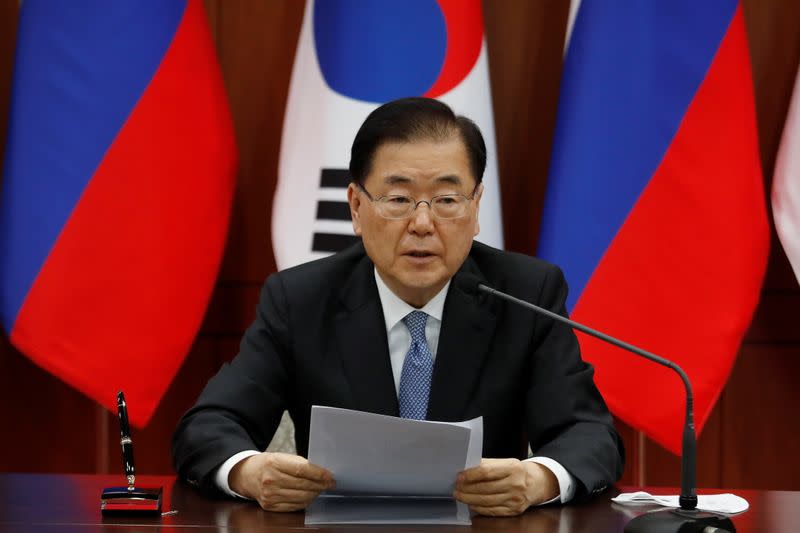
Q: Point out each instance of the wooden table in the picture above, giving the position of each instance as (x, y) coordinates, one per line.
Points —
(61, 503)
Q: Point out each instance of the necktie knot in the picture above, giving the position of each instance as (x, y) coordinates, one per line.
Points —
(415, 322)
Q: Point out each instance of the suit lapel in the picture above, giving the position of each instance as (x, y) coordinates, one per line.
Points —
(468, 323)
(361, 336)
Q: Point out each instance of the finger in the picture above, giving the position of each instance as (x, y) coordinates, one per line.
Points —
(284, 495)
(312, 471)
(495, 511)
(301, 468)
(483, 473)
(300, 483)
(485, 487)
(283, 480)
(484, 500)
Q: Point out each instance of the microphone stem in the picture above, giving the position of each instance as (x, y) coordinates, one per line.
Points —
(688, 497)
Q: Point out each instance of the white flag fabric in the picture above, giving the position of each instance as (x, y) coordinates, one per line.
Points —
(786, 183)
(351, 57)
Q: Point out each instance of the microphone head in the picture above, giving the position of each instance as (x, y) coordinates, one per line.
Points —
(468, 283)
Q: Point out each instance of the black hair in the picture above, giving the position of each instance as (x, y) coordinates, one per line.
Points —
(411, 119)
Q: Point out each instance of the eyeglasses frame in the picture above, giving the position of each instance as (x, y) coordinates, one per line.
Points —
(417, 202)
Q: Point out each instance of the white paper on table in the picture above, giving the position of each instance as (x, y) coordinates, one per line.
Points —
(379, 455)
(718, 503)
(327, 509)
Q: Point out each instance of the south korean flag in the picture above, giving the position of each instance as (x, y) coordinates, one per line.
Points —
(353, 56)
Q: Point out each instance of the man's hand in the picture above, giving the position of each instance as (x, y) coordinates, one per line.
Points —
(505, 487)
(279, 481)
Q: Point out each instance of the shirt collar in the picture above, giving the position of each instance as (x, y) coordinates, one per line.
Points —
(395, 309)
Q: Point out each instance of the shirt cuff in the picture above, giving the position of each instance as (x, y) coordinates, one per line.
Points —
(221, 477)
(566, 483)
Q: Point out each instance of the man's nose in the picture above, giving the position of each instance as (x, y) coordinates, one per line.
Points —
(421, 218)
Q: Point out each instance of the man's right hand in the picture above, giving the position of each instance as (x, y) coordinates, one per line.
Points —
(279, 481)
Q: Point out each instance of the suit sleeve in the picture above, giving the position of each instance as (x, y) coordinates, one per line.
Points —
(241, 406)
(575, 428)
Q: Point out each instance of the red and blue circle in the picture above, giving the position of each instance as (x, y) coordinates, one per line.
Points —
(379, 51)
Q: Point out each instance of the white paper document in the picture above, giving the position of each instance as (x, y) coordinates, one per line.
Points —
(715, 503)
(389, 469)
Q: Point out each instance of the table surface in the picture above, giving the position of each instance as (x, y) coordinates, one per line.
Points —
(60, 503)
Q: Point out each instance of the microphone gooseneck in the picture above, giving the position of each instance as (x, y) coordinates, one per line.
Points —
(471, 284)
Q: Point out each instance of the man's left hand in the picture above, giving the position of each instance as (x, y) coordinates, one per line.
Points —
(505, 487)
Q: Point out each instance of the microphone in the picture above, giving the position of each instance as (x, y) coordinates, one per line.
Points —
(661, 521)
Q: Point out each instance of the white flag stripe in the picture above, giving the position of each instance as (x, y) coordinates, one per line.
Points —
(340, 227)
(332, 194)
(786, 183)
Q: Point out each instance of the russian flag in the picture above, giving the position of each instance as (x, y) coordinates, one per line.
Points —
(117, 188)
(655, 207)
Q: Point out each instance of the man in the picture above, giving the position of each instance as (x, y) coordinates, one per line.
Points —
(381, 327)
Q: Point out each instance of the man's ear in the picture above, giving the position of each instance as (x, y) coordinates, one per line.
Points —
(354, 199)
(477, 199)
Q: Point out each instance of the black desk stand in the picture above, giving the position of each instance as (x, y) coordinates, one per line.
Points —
(129, 499)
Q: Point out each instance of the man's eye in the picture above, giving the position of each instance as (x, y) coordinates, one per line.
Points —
(399, 200)
(446, 200)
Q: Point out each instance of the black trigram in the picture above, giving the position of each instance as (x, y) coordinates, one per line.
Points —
(336, 178)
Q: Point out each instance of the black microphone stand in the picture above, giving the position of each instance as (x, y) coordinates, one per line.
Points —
(687, 519)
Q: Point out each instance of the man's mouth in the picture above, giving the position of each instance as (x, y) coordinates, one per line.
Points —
(418, 253)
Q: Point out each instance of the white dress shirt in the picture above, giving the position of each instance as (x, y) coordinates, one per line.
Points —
(399, 338)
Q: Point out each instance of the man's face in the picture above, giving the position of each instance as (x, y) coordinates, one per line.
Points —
(416, 256)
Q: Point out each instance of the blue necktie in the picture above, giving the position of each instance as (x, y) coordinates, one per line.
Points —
(415, 381)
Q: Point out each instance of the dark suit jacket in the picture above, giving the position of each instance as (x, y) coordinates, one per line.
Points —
(319, 338)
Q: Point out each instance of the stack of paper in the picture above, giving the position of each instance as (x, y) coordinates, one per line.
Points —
(390, 470)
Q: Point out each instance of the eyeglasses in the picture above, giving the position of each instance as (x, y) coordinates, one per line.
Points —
(400, 206)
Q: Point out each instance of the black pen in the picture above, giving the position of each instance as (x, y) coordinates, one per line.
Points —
(125, 440)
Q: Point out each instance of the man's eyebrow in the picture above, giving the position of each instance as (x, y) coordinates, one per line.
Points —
(452, 179)
(395, 179)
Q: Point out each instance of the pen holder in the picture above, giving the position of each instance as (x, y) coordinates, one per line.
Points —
(139, 500)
